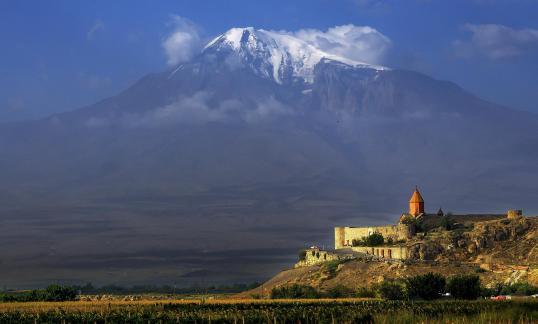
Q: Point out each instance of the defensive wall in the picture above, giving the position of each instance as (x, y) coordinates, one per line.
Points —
(399, 252)
(344, 236)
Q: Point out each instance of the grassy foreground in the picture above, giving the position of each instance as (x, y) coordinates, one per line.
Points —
(271, 311)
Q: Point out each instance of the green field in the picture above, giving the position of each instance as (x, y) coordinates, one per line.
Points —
(272, 311)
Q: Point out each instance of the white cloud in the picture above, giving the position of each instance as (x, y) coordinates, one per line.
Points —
(197, 109)
(99, 25)
(359, 43)
(183, 42)
(496, 41)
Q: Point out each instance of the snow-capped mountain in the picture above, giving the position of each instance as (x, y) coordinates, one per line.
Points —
(260, 138)
(277, 55)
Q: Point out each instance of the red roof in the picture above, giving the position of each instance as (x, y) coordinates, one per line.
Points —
(416, 197)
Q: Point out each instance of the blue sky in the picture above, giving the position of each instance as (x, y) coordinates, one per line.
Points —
(61, 55)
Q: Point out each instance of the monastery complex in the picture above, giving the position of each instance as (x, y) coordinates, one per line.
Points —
(401, 241)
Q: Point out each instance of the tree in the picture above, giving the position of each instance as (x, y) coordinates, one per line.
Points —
(446, 223)
(429, 286)
(294, 291)
(374, 239)
(339, 291)
(391, 291)
(464, 286)
(60, 293)
(364, 292)
(356, 242)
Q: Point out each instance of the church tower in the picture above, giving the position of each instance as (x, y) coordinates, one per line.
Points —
(416, 204)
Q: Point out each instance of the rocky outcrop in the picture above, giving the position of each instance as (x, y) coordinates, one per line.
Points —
(499, 251)
(507, 241)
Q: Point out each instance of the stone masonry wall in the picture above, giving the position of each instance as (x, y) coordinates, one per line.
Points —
(316, 256)
(386, 252)
(344, 236)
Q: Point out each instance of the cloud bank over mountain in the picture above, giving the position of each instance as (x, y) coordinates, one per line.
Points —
(359, 43)
(183, 43)
(496, 41)
(197, 109)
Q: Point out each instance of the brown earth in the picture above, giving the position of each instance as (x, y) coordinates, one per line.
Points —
(499, 251)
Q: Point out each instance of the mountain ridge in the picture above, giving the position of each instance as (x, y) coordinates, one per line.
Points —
(218, 157)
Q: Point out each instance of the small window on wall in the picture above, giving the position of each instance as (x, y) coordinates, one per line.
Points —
(325, 257)
(347, 242)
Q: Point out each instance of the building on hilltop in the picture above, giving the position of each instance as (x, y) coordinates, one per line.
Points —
(416, 203)
(402, 241)
(345, 237)
(395, 237)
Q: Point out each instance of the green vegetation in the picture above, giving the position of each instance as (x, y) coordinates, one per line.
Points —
(294, 291)
(447, 223)
(520, 288)
(252, 311)
(356, 242)
(340, 291)
(332, 266)
(392, 291)
(51, 293)
(364, 292)
(374, 239)
(464, 286)
(89, 289)
(428, 287)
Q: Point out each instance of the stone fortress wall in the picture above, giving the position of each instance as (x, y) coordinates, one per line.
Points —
(396, 245)
(344, 236)
(398, 252)
(315, 255)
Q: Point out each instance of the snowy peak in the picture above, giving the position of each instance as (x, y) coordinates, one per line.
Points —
(280, 56)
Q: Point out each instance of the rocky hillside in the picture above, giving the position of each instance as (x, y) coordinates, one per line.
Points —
(498, 251)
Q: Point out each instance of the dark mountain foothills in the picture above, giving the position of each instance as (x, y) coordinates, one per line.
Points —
(211, 163)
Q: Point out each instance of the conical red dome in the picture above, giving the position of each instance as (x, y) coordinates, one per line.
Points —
(416, 203)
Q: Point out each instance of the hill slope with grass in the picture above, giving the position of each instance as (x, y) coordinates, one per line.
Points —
(499, 252)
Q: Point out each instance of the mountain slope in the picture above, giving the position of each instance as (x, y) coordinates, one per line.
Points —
(221, 161)
(281, 57)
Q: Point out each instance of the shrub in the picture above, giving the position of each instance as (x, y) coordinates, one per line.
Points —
(524, 288)
(464, 286)
(364, 292)
(429, 286)
(391, 291)
(356, 242)
(51, 293)
(520, 288)
(294, 291)
(332, 266)
(446, 223)
(339, 291)
(374, 239)
(60, 293)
